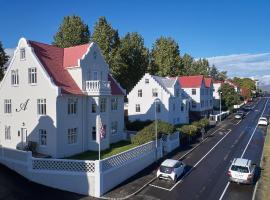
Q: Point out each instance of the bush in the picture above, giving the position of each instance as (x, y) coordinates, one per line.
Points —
(204, 123)
(188, 130)
(147, 134)
(137, 125)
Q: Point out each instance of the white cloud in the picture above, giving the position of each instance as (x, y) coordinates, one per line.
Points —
(245, 65)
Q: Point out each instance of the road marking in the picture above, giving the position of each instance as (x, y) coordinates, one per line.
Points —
(159, 187)
(188, 172)
(225, 189)
(238, 122)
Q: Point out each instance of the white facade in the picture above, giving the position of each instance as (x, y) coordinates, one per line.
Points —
(216, 95)
(171, 107)
(61, 123)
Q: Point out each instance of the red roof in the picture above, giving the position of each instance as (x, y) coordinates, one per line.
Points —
(190, 81)
(55, 60)
(208, 81)
(217, 81)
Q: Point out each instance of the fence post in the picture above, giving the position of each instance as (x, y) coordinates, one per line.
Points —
(98, 179)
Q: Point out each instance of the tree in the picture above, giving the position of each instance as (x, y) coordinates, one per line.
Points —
(201, 67)
(106, 37)
(130, 60)
(247, 85)
(3, 60)
(71, 32)
(217, 75)
(165, 57)
(186, 65)
(229, 96)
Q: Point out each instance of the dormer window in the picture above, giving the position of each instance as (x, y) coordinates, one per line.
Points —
(22, 54)
(146, 81)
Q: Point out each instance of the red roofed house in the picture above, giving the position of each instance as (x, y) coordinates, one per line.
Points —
(236, 87)
(200, 90)
(61, 99)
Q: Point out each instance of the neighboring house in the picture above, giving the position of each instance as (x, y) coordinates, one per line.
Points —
(236, 87)
(162, 94)
(200, 90)
(55, 97)
(216, 94)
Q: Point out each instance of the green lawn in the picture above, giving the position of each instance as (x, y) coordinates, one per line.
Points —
(114, 149)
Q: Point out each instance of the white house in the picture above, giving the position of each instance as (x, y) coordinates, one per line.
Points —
(161, 93)
(54, 97)
(200, 90)
(216, 94)
(236, 87)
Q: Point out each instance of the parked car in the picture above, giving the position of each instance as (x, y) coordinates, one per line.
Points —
(239, 114)
(263, 121)
(242, 171)
(171, 169)
(247, 108)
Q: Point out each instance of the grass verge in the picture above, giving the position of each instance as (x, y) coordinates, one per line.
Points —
(114, 149)
(263, 191)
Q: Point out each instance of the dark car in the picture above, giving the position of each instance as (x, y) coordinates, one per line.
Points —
(247, 108)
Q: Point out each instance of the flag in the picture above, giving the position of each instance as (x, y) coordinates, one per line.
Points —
(102, 131)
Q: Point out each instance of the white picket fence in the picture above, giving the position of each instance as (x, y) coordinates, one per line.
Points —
(92, 178)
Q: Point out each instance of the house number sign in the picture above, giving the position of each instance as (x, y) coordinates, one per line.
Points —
(23, 106)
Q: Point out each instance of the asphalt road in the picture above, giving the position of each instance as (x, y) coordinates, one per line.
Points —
(206, 173)
(208, 164)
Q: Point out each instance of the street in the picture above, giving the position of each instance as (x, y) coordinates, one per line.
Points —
(206, 174)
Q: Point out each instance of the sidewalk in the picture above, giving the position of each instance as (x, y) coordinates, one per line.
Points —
(137, 182)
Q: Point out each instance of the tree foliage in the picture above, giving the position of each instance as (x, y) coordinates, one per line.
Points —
(148, 133)
(106, 37)
(3, 60)
(217, 75)
(165, 57)
(130, 60)
(72, 32)
(229, 96)
(247, 84)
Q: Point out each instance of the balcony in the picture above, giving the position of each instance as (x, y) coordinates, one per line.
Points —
(98, 87)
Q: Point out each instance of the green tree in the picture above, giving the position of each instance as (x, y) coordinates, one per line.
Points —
(3, 60)
(229, 96)
(248, 85)
(165, 57)
(186, 65)
(217, 75)
(130, 60)
(106, 37)
(201, 67)
(71, 32)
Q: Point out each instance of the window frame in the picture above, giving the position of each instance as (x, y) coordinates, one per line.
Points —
(32, 75)
(114, 127)
(138, 108)
(102, 105)
(154, 92)
(15, 77)
(7, 106)
(7, 132)
(114, 103)
(43, 135)
(140, 93)
(72, 106)
(22, 52)
(72, 136)
(193, 91)
(41, 106)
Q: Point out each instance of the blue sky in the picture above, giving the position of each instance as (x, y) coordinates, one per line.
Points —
(208, 28)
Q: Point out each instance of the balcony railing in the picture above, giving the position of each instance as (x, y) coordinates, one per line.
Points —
(98, 87)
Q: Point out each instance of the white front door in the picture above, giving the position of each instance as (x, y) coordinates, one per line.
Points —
(24, 137)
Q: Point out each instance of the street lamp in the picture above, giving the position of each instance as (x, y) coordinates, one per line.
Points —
(156, 101)
(220, 105)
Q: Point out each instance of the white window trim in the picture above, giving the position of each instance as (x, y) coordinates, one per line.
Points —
(43, 132)
(40, 104)
(22, 49)
(30, 76)
(71, 134)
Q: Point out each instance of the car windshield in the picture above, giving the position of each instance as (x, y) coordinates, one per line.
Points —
(165, 169)
(239, 169)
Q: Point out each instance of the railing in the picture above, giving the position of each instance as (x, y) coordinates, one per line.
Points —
(98, 87)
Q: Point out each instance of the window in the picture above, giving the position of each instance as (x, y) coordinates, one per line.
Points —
(94, 133)
(182, 107)
(193, 91)
(72, 135)
(158, 108)
(138, 108)
(41, 106)
(14, 77)
(102, 104)
(95, 76)
(72, 106)
(194, 105)
(32, 75)
(42, 137)
(154, 92)
(7, 133)
(114, 127)
(22, 54)
(146, 81)
(139, 93)
(7, 106)
(94, 106)
(114, 103)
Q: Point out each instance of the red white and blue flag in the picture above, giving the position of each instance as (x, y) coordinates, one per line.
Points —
(102, 131)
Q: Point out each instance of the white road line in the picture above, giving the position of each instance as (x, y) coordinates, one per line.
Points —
(159, 187)
(238, 122)
(225, 189)
(200, 160)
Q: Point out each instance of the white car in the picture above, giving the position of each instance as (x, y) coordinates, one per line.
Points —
(242, 171)
(239, 115)
(263, 121)
(171, 169)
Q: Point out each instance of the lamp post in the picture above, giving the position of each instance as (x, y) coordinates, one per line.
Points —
(156, 100)
(220, 105)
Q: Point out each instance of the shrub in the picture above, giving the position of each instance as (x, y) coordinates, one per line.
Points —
(188, 130)
(137, 125)
(204, 122)
(147, 134)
